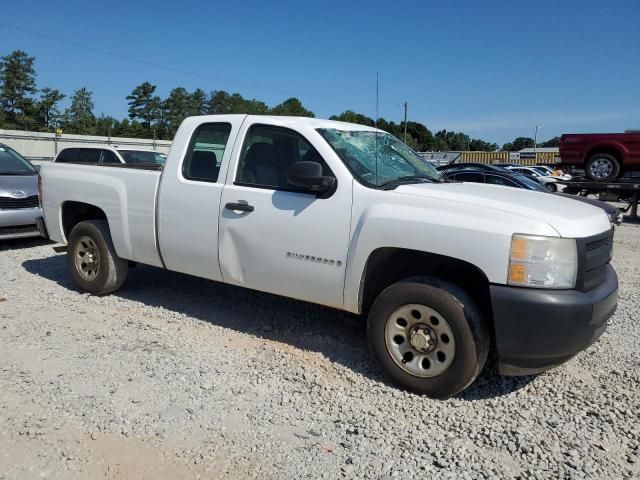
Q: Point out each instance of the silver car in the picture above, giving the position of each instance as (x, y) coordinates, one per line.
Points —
(19, 205)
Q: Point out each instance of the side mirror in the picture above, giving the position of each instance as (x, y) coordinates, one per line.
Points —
(308, 176)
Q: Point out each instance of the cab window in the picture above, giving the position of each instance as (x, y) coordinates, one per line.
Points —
(206, 149)
(267, 154)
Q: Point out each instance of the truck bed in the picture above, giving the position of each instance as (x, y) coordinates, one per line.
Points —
(125, 193)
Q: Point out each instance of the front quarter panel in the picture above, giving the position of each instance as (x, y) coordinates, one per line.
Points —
(477, 235)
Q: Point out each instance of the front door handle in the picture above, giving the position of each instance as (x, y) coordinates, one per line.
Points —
(243, 207)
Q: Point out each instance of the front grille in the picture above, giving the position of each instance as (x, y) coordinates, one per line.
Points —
(597, 244)
(10, 203)
(594, 253)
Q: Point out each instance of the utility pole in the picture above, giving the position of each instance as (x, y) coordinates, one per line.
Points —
(405, 105)
(535, 142)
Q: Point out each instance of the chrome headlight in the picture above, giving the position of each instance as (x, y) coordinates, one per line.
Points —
(542, 262)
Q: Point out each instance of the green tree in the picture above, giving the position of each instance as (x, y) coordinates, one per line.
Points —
(422, 136)
(47, 111)
(552, 142)
(144, 105)
(198, 102)
(79, 117)
(17, 82)
(518, 144)
(352, 117)
(478, 145)
(106, 126)
(176, 107)
(291, 107)
(221, 102)
(454, 141)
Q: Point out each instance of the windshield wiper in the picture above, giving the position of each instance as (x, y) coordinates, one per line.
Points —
(404, 180)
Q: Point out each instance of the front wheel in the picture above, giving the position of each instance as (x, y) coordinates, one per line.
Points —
(551, 187)
(428, 336)
(602, 167)
(93, 261)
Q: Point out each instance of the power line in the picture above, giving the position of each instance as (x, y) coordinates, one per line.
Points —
(170, 68)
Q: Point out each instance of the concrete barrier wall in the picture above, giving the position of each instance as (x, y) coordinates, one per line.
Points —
(41, 146)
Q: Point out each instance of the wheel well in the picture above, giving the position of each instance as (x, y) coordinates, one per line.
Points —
(76, 212)
(606, 149)
(387, 266)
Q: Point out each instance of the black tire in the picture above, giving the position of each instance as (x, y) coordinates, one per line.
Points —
(472, 339)
(110, 270)
(609, 171)
(551, 187)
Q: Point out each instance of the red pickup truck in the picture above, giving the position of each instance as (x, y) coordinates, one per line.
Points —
(604, 156)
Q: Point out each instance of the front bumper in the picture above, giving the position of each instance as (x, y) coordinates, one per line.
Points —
(19, 223)
(538, 329)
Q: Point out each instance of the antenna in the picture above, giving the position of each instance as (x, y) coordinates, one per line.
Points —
(377, 103)
(405, 105)
(377, 96)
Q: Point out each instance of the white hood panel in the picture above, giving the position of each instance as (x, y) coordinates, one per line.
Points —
(570, 218)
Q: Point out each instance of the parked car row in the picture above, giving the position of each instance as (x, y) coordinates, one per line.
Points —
(513, 176)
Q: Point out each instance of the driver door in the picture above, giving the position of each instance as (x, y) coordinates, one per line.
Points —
(277, 238)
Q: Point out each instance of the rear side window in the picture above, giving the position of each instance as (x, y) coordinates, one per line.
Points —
(206, 149)
(68, 155)
(496, 180)
(469, 177)
(88, 155)
(109, 157)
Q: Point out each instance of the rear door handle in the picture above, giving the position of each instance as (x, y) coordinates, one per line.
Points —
(243, 207)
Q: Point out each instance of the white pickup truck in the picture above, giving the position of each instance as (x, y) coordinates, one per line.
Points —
(348, 216)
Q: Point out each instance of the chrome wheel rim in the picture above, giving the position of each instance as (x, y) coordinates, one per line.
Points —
(601, 168)
(87, 258)
(420, 340)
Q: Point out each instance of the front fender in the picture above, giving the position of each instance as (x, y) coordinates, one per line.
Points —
(475, 235)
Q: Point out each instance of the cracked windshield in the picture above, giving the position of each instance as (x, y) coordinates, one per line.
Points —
(378, 159)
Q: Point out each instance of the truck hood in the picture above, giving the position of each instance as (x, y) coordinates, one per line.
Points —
(11, 184)
(568, 217)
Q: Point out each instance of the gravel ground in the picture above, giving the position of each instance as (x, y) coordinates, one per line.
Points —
(178, 377)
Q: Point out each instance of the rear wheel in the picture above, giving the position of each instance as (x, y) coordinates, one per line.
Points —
(93, 261)
(428, 336)
(602, 167)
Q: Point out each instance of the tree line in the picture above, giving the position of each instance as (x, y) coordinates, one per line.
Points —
(24, 106)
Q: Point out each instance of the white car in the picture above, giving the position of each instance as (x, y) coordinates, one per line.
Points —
(540, 174)
(106, 154)
(551, 171)
(349, 217)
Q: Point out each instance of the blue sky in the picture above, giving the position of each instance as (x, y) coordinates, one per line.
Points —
(493, 69)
